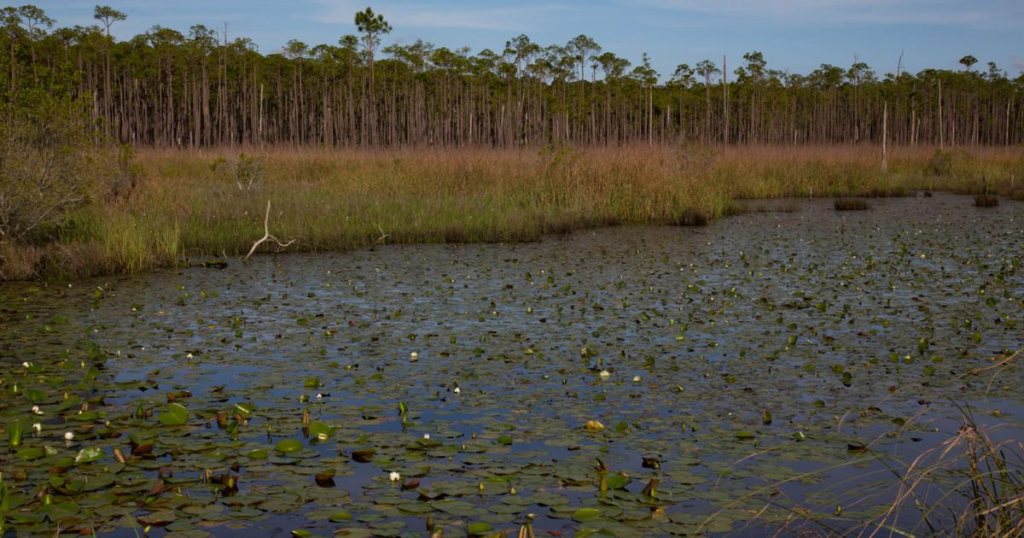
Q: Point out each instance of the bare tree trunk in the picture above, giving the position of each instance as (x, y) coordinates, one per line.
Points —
(942, 132)
(885, 137)
(725, 101)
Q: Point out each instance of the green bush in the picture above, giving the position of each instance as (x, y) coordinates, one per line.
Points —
(249, 172)
(53, 159)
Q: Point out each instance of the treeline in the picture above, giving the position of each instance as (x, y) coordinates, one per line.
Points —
(205, 88)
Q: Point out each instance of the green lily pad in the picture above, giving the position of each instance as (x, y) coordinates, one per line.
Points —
(244, 409)
(317, 429)
(583, 515)
(288, 445)
(31, 453)
(478, 528)
(174, 414)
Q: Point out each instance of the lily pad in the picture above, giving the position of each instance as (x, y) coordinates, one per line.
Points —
(288, 446)
(174, 414)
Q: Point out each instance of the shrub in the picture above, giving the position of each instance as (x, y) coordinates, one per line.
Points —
(249, 172)
(50, 164)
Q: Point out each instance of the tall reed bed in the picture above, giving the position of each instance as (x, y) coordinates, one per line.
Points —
(196, 204)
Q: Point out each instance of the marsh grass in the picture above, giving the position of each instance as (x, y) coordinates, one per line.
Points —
(190, 204)
(968, 484)
(965, 485)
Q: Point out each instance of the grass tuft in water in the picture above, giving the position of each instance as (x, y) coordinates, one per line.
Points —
(850, 204)
(986, 200)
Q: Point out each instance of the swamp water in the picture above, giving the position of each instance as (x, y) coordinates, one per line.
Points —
(776, 365)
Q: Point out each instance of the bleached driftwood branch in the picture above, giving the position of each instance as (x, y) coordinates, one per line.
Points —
(383, 236)
(266, 235)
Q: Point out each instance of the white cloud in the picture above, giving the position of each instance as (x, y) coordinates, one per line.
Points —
(975, 13)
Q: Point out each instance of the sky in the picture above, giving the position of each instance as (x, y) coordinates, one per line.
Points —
(794, 35)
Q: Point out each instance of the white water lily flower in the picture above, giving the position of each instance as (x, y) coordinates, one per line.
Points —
(27, 364)
(319, 396)
(36, 410)
(37, 427)
(414, 356)
(394, 476)
(457, 391)
(605, 374)
(636, 379)
(189, 356)
(68, 436)
(322, 436)
(426, 436)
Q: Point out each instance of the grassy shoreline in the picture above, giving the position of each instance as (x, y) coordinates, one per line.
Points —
(190, 204)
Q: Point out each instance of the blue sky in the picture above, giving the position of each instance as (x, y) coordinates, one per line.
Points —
(794, 35)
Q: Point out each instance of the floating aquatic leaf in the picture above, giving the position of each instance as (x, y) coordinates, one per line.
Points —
(617, 481)
(318, 429)
(174, 414)
(364, 455)
(651, 463)
(288, 445)
(244, 409)
(478, 528)
(89, 455)
(31, 453)
(583, 515)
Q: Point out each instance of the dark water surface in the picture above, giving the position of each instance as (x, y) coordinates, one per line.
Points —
(850, 329)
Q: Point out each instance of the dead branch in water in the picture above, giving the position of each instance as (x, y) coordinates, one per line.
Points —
(266, 235)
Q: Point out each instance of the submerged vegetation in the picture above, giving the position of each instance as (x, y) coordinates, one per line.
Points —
(194, 205)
